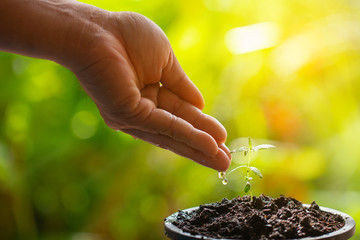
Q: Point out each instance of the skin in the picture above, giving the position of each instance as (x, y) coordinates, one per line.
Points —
(125, 63)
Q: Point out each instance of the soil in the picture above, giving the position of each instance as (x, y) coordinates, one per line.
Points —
(260, 217)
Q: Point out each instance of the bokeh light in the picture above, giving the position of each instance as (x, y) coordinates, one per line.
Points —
(252, 38)
(84, 124)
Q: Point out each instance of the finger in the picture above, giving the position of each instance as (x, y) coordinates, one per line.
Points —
(175, 79)
(219, 162)
(177, 106)
(225, 149)
(151, 92)
(162, 122)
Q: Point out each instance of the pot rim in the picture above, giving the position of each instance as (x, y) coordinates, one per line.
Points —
(346, 232)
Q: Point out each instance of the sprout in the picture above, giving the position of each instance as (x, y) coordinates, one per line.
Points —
(247, 153)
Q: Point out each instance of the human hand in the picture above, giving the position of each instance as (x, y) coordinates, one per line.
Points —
(141, 89)
(125, 63)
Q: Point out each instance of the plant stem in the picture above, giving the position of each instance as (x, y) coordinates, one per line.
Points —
(248, 169)
(248, 164)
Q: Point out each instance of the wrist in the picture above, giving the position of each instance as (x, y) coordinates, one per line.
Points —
(63, 31)
(82, 30)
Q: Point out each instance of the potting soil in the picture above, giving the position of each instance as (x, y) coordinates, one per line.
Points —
(260, 217)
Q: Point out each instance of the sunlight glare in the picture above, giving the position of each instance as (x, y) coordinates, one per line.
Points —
(252, 37)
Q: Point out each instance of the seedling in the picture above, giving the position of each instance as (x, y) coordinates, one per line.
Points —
(247, 153)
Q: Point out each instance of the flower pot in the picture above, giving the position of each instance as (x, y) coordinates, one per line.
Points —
(346, 232)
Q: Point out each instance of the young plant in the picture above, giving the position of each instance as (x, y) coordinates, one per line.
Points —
(247, 153)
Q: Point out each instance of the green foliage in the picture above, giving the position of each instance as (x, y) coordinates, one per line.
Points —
(256, 171)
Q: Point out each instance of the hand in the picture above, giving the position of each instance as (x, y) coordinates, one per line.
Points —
(125, 63)
(141, 89)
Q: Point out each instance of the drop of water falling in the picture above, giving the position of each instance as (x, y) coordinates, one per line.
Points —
(222, 175)
(225, 181)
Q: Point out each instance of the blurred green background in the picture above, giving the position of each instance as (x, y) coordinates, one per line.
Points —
(282, 72)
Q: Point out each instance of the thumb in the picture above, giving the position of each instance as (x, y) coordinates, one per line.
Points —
(175, 79)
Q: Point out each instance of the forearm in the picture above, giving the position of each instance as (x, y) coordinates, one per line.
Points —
(58, 30)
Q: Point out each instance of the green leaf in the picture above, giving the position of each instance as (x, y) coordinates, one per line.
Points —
(242, 149)
(263, 146)
(247, 187)
(256, 171)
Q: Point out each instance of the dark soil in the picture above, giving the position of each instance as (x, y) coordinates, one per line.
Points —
(258, 218)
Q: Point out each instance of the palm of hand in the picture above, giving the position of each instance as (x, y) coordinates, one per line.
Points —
(140, 89)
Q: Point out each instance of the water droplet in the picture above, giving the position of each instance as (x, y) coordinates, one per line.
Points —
(225, 181)
(222, 175)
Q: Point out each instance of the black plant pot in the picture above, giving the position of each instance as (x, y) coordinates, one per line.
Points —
(346, 232)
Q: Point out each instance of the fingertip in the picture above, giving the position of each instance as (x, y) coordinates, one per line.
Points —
(221, 162)
(225, 149)
(176, 80)
(193, 95)
(217, 129)
(223, 135)
(201, 102)
(206, 144)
